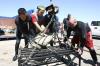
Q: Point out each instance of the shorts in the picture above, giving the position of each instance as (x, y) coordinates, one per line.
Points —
(88, 42)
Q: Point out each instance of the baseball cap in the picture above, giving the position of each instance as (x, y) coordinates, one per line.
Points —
(41, 7)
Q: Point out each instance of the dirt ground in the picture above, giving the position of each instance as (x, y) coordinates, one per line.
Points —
(7, 53)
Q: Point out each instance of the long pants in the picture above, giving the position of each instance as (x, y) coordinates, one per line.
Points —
(18, 39)
(27, 38)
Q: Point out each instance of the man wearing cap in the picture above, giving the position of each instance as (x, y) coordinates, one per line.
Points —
(23, 24)
(82, 36)
(51, 19)
(37, 18)
(48, 17)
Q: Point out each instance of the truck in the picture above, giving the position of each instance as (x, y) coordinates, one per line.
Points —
(95, 28)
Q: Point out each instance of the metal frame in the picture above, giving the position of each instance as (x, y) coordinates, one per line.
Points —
(38, 57)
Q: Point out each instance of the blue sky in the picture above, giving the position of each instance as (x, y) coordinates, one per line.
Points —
(84, 10)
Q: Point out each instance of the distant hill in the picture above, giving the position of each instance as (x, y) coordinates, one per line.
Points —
(29, 12)
(4, 17)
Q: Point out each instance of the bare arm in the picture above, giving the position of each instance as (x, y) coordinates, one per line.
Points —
(38, 26)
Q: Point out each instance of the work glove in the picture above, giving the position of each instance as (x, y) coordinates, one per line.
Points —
(80, 50)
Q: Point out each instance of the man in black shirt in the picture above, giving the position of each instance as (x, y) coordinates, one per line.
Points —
(51, 19)
(82, 36)
(23, 24)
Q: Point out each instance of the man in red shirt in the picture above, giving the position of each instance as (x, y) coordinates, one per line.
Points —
(37, 18)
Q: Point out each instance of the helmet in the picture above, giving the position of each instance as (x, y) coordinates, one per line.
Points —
(41, 7)
(21, 11)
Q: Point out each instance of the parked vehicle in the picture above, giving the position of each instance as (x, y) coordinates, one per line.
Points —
(2, 32)
(95, 28)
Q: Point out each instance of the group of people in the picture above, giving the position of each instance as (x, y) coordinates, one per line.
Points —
(30, 25)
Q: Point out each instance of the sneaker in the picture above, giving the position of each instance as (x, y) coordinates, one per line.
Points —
(15, 58)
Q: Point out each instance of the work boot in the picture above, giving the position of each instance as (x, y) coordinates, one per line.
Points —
(15, 57)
